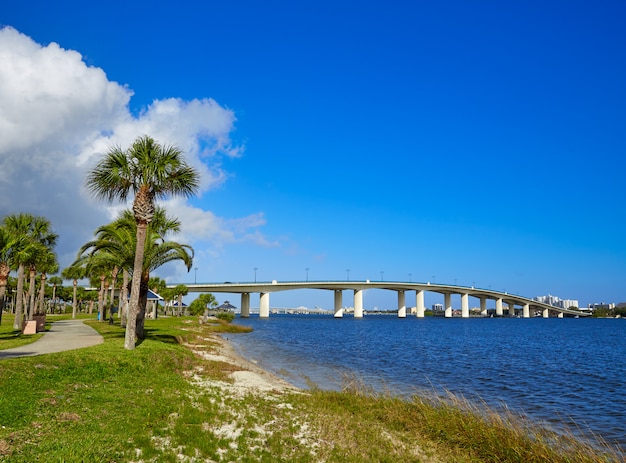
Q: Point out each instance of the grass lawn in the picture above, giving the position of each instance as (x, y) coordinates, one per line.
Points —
(163, 402)
(10, 338)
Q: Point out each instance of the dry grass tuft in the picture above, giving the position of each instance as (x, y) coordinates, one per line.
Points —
(67, 416)
(5, 448)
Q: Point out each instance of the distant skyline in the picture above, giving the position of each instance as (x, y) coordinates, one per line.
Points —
(476, 143)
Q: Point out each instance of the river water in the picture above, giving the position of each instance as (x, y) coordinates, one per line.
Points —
(556, 371)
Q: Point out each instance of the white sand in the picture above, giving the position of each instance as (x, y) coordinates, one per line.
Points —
(249, 377)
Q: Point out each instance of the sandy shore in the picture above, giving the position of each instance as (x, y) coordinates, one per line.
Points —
(247, 377)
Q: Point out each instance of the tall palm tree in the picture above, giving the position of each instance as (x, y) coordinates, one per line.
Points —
(36, 239)
(117, 241)
(9, 244)
(43, 260)
(159, 251)
(22, 256)
(98, 266)
(149, 171)
(114, 247)
(55, 281)
(74, 273)
(47, 263)
(18, 226)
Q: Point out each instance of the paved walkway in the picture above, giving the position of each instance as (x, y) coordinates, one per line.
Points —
(63, 335)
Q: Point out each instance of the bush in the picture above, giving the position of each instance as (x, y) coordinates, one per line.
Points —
(225, 316)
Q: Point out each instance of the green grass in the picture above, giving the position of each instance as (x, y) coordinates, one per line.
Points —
(440, 428)
(163, 403)
(71, 404)
(10, 338)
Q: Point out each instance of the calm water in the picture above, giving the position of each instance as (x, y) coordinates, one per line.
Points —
(570, 371)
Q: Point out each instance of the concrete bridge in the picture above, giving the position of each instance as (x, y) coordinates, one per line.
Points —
(514, 303)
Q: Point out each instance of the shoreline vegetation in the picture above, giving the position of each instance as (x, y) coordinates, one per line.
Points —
(184, 395)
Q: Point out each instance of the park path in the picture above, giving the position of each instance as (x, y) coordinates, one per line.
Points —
(63, 335)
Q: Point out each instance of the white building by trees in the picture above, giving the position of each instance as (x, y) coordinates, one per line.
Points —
(557, 301)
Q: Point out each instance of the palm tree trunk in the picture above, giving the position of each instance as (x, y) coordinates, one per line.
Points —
(143, 304)
(112, 297)
(101, 298)
(42, 295)
(4, 276)
(112, 300)
(131, 324)
(124, 299)
(19, 302)
(31, 294)
(54, 298)
(105, 301)
(74, 299)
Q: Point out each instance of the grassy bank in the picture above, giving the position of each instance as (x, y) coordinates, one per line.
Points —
(175, 398)
(10, 338)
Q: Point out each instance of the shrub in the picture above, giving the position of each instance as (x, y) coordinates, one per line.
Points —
(225, 316)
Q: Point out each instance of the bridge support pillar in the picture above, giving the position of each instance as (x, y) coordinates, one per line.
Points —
(546, 313)
(499, 311)
(526, 311)
(338, 303)
(358, 303)
(401, 304)
(245, 305)
(264, 305)
(419, 303)
(483, 306)
(560, 315)
(511, 309)
(447, 305)
(465, 305)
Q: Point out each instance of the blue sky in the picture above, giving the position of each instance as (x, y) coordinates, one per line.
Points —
(477, 142)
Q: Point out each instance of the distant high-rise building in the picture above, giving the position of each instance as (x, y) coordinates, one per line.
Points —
(557, 301)
(567, 303)
(549, 299)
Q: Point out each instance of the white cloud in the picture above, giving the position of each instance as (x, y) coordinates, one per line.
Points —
(203, 226)
(58, 115)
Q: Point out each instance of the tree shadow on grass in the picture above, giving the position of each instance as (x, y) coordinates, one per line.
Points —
(154, 335)
(113, 335)
(8, 336)
(17, 339)
(114, 331)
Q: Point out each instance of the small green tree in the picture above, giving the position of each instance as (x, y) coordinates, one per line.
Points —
(202, 304)
(180, 291)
